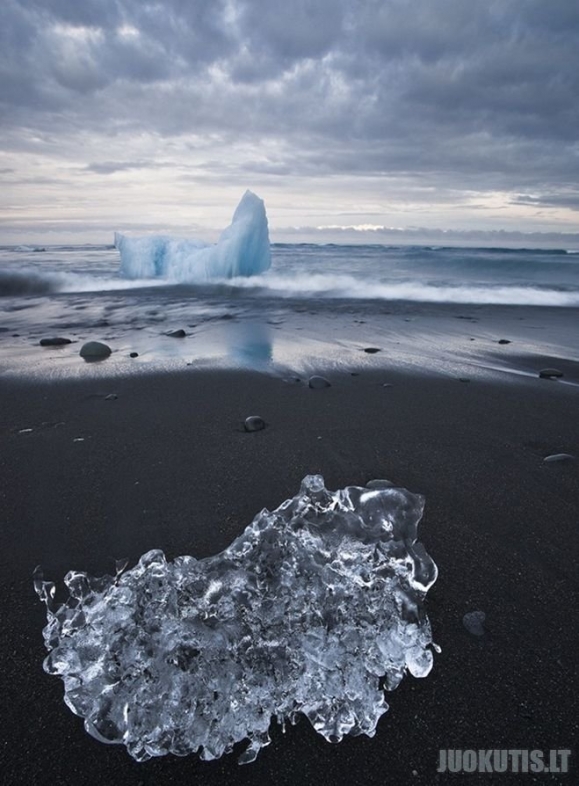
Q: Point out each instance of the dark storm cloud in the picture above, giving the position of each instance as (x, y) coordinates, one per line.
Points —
(478, 95)
(110, 167)
(570, 201)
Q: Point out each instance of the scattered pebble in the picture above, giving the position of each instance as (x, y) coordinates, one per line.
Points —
(550, 373)
(463, 379)
(473, 622)
(134, 355)
(111, 397)
(379, 484)
(254, 423)
(25, 431)
(558, 457)
(177, 333)
(371, 350)
(78, 439)
(95, 350)
(57, 341)
(387, 385)
(316, 383)
(503, 341)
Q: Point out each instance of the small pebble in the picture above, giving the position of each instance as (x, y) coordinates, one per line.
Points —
(550, 373)
(111, 397)
(463, 379)
(57, 341)
(371, 350)
(316, 383)
(254, 423)
(134, 355)
(95, 350)
(379, 484)
(473, 622)
(504, 341)
(177, 333)
(558, 457)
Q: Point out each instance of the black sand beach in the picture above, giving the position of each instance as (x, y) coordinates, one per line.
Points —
(168, 465)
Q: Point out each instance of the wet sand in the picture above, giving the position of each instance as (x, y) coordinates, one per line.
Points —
(168, 465)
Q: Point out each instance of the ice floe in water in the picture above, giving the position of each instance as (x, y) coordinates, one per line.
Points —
(312, 609)
(242, 250)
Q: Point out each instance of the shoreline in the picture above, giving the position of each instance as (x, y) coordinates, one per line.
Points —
(291, 338)
(168, 465)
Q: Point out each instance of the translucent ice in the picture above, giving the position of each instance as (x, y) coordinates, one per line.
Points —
(242, 250)
(311, 610)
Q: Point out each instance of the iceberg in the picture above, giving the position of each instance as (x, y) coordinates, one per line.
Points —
(242, 250)
(313, 609)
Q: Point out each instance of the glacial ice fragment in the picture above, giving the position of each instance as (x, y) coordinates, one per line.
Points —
(242, 250)
(310, 610)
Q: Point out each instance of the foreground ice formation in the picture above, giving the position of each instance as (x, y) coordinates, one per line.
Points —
(312, 609)
(242, 250)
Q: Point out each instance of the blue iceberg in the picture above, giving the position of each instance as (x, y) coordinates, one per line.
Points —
(312, 610)
(242, 250)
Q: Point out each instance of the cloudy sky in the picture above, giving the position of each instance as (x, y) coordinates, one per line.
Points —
(350, 118)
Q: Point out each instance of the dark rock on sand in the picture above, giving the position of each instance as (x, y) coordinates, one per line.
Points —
(550, 373)
(254, 423)
(134, 355)
(316, 383)
(57, 341)
(503, 341)
(177, 333)
(95, 350)
(379, 484)
(371, 350)
(473, 622)
(558, 457)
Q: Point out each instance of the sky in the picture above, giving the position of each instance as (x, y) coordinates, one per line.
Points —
(354, 120)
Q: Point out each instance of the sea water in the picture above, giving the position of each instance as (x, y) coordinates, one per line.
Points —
(78, 292)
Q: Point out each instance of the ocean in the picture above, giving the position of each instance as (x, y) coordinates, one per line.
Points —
(282, 318)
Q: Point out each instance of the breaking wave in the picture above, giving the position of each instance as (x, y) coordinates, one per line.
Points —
(344, 286)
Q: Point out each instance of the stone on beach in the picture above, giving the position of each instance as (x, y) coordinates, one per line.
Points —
(371, 350)
(379, 483)
(177, 333)
(316, 383)
(254, 423)
(134, 355)
(57, 341)
(503, 341)
(550, 373)
(473, 622)
(95, 350)
(558, 457)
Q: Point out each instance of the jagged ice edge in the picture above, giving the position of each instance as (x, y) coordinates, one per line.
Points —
(310, 610)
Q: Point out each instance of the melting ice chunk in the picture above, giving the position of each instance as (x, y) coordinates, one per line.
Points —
(310, 610)
(242, 250)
